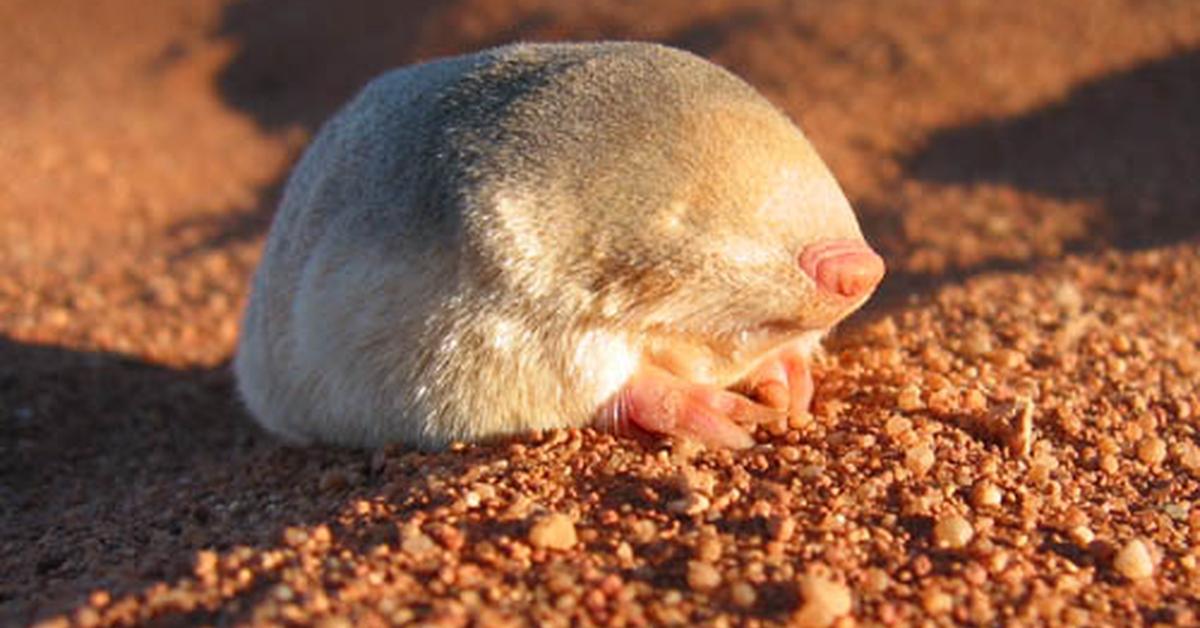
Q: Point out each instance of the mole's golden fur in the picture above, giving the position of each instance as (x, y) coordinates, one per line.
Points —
(543, 236)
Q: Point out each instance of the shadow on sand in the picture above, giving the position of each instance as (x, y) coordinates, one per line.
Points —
(1126, 141)
(86, 439)
(295, 65)
(1130, 140)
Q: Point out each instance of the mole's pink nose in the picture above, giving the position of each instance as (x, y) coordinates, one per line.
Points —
(845, 267)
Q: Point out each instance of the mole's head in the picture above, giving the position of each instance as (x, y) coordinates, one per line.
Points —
(671, 198)
(739, 228)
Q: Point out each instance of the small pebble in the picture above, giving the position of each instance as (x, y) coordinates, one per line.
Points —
(1082, 536)
(782, 528)
(876, 581)
(644, 531)
(555, 531)
(1188, 455)
(743, 594)
(417, 544)
(702, 576)
(283, 593)
(953, 532)
(824, 602)
(975, 401)
(1109, 464)
(294, 537)
(1152, 450)
(986, 495)
(1177, 511)
(909, 399)
(937, 602)
(691, 504)
(99, 598)
(1134, 560)
(1007, 358)
(977, 342)
(709, 549)
(206, 563)
(896, 426)
(1020, 440)
(919, 459)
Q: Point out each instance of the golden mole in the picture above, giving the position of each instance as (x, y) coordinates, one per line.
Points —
(549, 236)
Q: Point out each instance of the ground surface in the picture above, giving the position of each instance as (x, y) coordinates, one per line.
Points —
(1009, 431)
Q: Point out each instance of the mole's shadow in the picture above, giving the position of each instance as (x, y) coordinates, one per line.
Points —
(295, 64)
(114, 471)
(1130, 140)
(297, 61)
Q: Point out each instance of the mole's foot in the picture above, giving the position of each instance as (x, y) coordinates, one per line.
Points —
(656, 401)
(783, 381)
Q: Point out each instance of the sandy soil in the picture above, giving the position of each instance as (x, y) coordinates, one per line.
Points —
(1008, 432)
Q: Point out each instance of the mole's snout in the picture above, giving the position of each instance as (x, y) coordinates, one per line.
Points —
(844, 267)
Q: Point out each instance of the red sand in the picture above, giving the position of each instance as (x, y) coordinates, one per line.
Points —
(1009, 432)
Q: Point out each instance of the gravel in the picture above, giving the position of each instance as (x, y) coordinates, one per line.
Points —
(824, 601)
(1134, 560)
(1007, 434)
(555, 531)
(953, 532)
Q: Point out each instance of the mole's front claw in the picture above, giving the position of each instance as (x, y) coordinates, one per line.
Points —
(767, 384)
(800, 381)
(658, 402)
(783, 381)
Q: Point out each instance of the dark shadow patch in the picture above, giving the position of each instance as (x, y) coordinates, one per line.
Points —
(707, 36)
(86, 440)
(297, 61)
(536, 26)
(1128, 140)
(295, 64)
(918, 526)
(209, 232)
(1054, 542)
